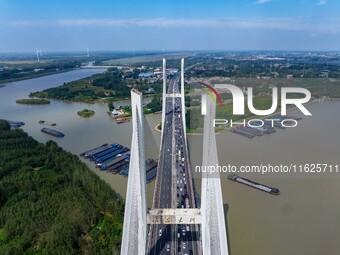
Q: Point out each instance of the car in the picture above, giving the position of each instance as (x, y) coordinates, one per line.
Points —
(167, 247)
(160, 232)
(184, 245)
(188, 228)
(178, 235)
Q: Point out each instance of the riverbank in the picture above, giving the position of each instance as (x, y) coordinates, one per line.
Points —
(107, 86)
(33, 76)
(81, 95)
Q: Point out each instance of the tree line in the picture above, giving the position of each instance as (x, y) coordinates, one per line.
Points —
(51, 202)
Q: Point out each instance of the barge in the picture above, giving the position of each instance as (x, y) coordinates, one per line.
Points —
(151, 175)
(89, 151)
(15, 124)
(52, 132)
(97, 150)
(122, 120)
(99, 155)
(109, 155)
(124, 162)
(112, 163)
(270, 190)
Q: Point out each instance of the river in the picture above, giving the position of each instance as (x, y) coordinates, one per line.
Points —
(302, 220)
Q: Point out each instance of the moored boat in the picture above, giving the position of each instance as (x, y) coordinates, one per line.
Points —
(52, 132)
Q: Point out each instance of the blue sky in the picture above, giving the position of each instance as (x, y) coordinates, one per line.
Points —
(171, 25)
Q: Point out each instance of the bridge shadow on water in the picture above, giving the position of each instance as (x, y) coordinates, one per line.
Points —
(150, 139)
(226, 209)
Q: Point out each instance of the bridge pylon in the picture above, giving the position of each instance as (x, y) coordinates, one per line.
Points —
(135, 225)
(214, 235)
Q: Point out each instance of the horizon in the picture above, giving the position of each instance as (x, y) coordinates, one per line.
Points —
(267, 51)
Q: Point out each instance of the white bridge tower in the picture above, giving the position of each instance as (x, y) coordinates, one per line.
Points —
(214, 235)
(135, 227)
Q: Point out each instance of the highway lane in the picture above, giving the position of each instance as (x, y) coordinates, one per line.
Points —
(173, 188)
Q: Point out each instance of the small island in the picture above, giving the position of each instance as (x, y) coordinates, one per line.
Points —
(33, 101)
(86, 113)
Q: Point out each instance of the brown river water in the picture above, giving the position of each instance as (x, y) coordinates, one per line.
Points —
(303, 219)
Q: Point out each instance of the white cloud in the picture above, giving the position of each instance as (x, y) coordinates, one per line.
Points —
(122, 22)
(262, 1)
(322, 2)
(287, 24)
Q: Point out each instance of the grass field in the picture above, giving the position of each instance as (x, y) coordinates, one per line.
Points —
(144, 59)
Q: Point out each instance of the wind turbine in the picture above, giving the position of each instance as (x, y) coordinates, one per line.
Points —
(37, 53)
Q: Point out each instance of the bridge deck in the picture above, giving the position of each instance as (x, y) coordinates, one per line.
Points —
(175, 234)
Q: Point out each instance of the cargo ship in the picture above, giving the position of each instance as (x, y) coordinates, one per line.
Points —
(236, 178)
(151, 169)
(52, 132)
(241, 132)
(108, 155)
(111, 164)
(150, 175)
(95, 151)
(89, 151)
(121, 165)
(15, 124)
(122, 120)
(99, 155)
